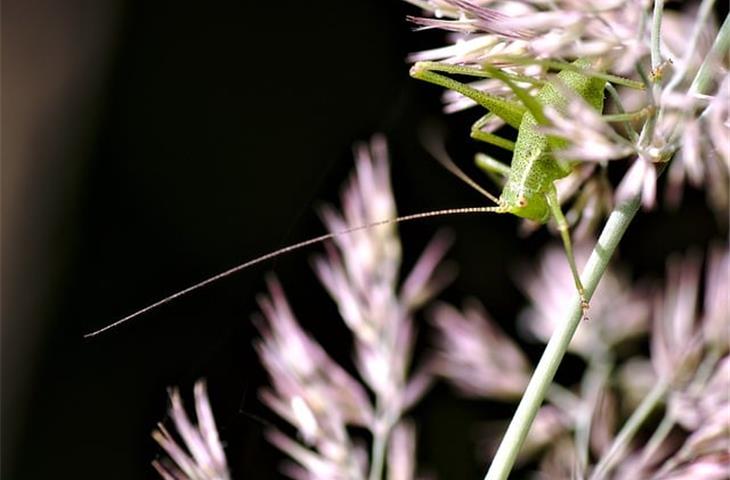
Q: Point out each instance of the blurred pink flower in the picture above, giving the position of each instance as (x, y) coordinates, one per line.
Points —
(619, 311)
(201, 457)
(716, 305)
(710, 467)
(332, 460)
(310, 390)
(689, 350)
(571, 29)
(676, 342)
(698, 123)
(476, 356)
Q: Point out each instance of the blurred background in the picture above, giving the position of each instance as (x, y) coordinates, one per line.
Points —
(147, 145)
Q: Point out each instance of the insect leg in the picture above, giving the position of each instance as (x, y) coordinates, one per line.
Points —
(571, 66)
(629, 116)
(528, 101)
(488, 137)
(491, 165)
(476, 72)
(495, 169)
(554, 203)
(509, 111)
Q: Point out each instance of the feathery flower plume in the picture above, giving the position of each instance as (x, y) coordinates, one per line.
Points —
(591, 138)
(695, 367)
(567, 29)
(201, 456)
(690, 349)
(478, 358)
(309, 389)
(696, 123)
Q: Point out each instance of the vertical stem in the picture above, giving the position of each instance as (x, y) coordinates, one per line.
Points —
(719, 48)
(703, 13)
(513, 439)
(599, 370)
(656, 34)
(377, 460)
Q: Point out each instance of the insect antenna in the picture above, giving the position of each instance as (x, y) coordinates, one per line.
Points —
(291, 248)
(438, 151)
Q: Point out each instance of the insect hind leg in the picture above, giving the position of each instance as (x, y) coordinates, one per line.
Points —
(508, 110)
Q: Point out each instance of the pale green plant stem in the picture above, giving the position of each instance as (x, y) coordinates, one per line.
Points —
(699, 26)
(656, 34)
(380, 441)
(599, 370)
(633, 136)
(518, 428)
(621, 442)
(654, 94)
(385, 417)
(703, 78)
(719, 48)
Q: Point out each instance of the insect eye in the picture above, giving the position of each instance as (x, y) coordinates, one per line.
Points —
(522, 202)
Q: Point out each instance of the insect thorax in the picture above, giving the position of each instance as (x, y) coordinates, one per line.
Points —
(533, 171)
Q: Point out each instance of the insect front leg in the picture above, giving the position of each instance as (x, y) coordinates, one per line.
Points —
(557, 213)
(478, 134)
(496, 170)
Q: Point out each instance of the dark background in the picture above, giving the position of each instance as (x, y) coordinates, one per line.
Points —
(147, 145)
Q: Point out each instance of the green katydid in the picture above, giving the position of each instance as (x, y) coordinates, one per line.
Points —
(529, 191)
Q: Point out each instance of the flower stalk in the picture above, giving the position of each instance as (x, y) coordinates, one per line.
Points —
(380, 442)
(719, 48)
(537, 388)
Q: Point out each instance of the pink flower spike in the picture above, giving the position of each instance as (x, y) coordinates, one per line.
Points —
(476, 356)
(641, 178)
(424, 281)
(202, 456)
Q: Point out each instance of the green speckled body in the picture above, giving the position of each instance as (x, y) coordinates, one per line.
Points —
(534, 168)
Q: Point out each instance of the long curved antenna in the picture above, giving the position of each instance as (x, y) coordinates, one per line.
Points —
(438, 151)
(291, 248)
